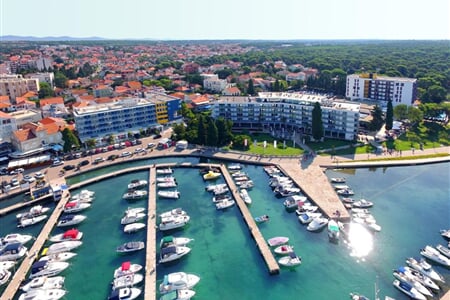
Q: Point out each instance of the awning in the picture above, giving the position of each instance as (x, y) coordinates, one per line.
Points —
(57, 147)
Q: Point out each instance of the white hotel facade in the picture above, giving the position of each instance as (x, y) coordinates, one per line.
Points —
(291, 112)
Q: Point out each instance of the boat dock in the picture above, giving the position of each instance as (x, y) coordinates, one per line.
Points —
(261, 243)
(33, 252)
(150, 254)
(20, 205)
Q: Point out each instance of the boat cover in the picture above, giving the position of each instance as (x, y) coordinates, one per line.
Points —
(67, 218)
(168, 250)
(37, 266)
(126, 266)
(71, 233)
(167, 239)
(71, 204)
(292, 254)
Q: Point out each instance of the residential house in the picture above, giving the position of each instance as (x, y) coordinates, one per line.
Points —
(53, 107)
(231, 91)
(33, 137)
(7, 126)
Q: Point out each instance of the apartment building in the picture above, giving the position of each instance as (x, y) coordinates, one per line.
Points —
(211, 82)
(289, 112)
(48, 77)
(370, 86)
(7, 126)
(15, 85)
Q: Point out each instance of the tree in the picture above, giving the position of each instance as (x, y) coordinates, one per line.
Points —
(377, 119)
(70, 140)
(415, 115)
(436, 93)
(389, 115)
(60, 80)
(45, 90)
(201, 131)
(250, 88)
(401, 112)
(225, 135)
(110, 139)
(213, 134)
(90, 143)
(317, 123)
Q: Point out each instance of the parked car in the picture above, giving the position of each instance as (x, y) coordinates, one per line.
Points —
(39, 175)
(98, 160)
(112, 157)
(125, 154)
(69, 167)
(57, 162)
(151, 145)
(83, 163)
(138, 150)
(157, 136)
(29, 178)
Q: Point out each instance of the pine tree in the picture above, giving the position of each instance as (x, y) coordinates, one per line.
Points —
(250, 88)
(317, 124)
(389, 115)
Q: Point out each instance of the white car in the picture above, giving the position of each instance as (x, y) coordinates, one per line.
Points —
(125, 154)
(39, 175)
(138, 150)
(98, 160)
(29, 178)
(57, 162)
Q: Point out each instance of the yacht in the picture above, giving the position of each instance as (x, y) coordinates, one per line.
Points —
(408, 290)
(173, 222)
(183, 294)
(127, 268)
(433, 254)
(317, 224)
(25, 222)
(127, 280)
(294, 201)
(291, 260)
(44, 283)
(134, 195)
(137, 184)
(164, 171)
(4, 276)
(172, 253)
(425, 268)
(174, 212)
(245, 196)
(132, 217)
(34, 211)
(48, 268)
(212, 187)
(178, 281)
(38, 294)
(7, 264)
(130, 247)
(13, 251)
(307, 217)
(133, 227)
(124, 294)
(70, 220)
(63, 247)
(175, 241)
(69, 235)
(174, 194)
(75, 206)
(60, 256)
(223, 204)
(15, 238)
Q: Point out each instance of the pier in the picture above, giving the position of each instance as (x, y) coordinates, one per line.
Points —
(20, 205)
(150, 252)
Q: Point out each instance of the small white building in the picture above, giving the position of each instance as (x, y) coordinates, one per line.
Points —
(181, 144)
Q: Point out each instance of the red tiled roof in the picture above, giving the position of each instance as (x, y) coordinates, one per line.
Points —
(54, 100)
(24, 134)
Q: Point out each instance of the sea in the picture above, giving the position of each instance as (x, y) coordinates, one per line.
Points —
(411, 204)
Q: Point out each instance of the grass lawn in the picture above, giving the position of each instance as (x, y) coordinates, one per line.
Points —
(328, 144)
(270, 150)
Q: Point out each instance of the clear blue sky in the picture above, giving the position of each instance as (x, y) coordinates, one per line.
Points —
(228, 19)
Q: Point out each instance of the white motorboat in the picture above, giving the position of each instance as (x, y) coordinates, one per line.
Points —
(362, 203)
(444, 250)
(39, 294)
(84, 196)
(411, 281)
(317, 224)
(416, 275)
(15, 238)
(303, 207)
(172, 253)
(445, 233)
(245, 196)
(287, 191)
(63, 247)
(174, 212)
(125, 294)
(307, 217)
(4, 276)
(167, 184)
(341, 187)
(241, 178)
(127, 268)
(48, 268)
(173, 222)
(34, 211)
(132, 217)
(338, 179)
(234, 167)
(218, 198)
(290, 260)
(169, 194)
(7, 264)
(220, 190)
(224, 204)
(60, 256)
(134, 195)
(13, 251)
(44, 283)
(277, 241)
(183, 294)
(69, 235)
(164, 171)
(24, 222)
(134, 210)
(75, 206)
(425, 268)
(166, 179)
(283, 249)
(175, 241)
(408, 290)
(345, 192)
(211, 175)
(130, 247)
(238, 174)
(212, 187)
(127, 281)
(137, 184)
(333, 230)
(247, 184)
(178, 281)
(133, 227)
(294, 201)
(434, 255)
(70, 220)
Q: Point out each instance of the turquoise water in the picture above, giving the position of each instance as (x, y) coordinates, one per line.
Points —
(411, 204)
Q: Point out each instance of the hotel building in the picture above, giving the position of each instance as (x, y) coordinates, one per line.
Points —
(290, 112)
(370, 86)
(15, 85)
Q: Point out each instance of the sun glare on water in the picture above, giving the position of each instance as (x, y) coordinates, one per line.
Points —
(360, 240)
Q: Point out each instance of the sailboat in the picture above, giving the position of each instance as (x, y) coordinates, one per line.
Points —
(357, 296)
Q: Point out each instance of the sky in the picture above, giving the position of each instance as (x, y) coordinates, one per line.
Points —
(228, 19)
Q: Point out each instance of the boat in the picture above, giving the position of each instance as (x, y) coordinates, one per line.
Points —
(137, 184)
(444, 250)
(416, 275)
(174, 212)
(15, 238)
(303, 207)
(212, 187)
(25, 222)
(333, 230)
(173, 222)
(125, 293)
(247, 184)
(84, 196)
(411, 281)
(43, 283)
(338, 179)
(290, 260)
(445, 233)
(63, 246)
(277, 241)
(7, 264)
(13, 251)
(287, 191)
(166, 179)
(425, 268)
(69, 235)
(222, 197)
(245, 196)
(238, 174)
(262, 219)
(362, 203)
(133, 227)
(167, 184)
(39, 294)
(224, 204)
(135, 210)
(434, 255)
(183, 294)
(348, 200)
(341, 187)
(283, 249)
(127, 268)
(60, 256)
(75, 206)
(34, 211)
(70, 220)
(234, 167)
(241, 178)
(132, 217)
(220, 190)
(4, 276)
(164, 171)
(307, 217)
(345, 192)
(47, 268)
(317, 224)
(178, 281)
(127, 280)
(175, 241)
(172, 253)
(130, 247)
(408, 290)
(294, 201)
(134, 195)
(169, 194)
(211, 175)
